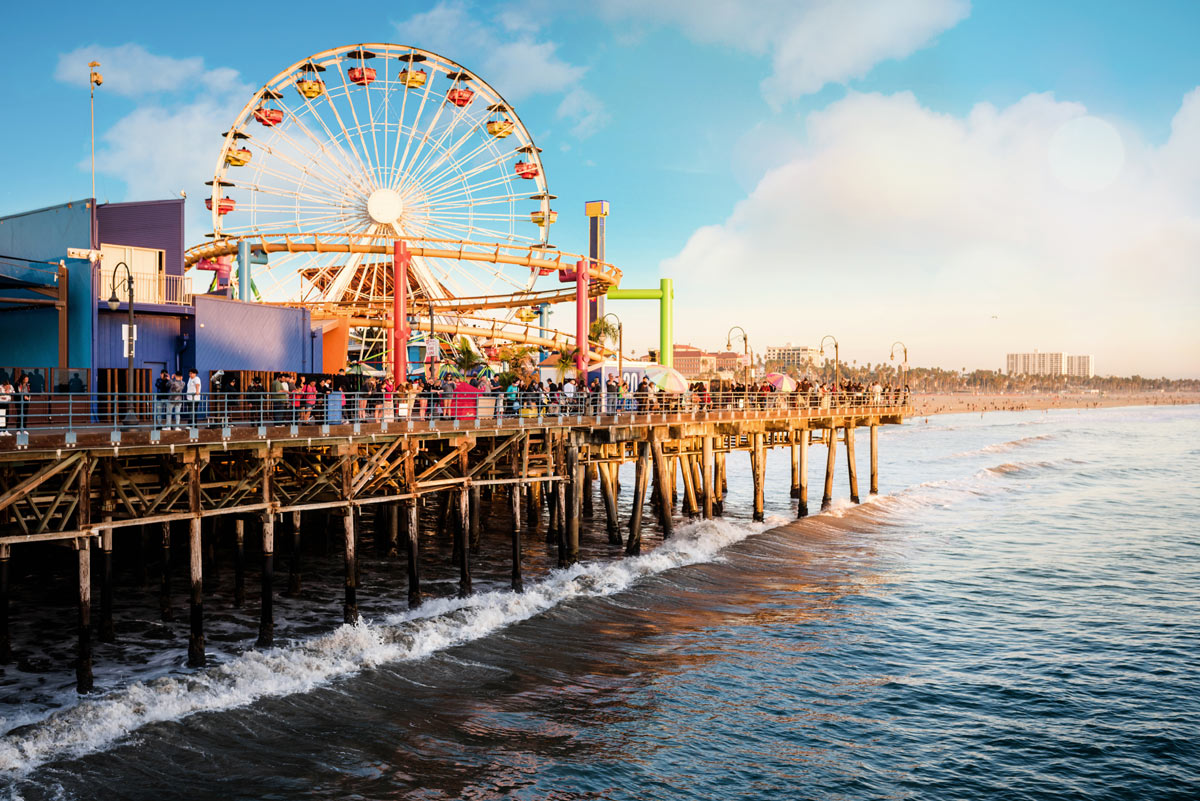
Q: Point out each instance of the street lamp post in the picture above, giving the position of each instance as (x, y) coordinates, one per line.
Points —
(620, 346)
(114, 303)
(745, 348)
(94, 80)
(837, 365)
(904, 370)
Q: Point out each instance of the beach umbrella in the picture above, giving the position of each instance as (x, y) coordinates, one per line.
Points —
(483, 371)
(446, 370)
(781, 382)
(666, 378)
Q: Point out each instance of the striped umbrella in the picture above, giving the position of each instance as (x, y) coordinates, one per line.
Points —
(446, 370)
(781, 382)
(666, 378)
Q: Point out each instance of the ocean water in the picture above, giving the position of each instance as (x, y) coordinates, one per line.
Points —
(1016, 616)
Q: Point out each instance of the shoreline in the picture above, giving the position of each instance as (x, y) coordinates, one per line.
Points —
(925, 405)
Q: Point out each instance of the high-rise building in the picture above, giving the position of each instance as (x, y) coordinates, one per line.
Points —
(1081, 366)
(1054, 363)
(801, 357)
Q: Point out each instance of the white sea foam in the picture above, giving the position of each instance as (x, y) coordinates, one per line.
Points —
(1005, 447)
(96, 723)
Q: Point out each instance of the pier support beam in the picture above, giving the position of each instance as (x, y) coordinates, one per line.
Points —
(105, 632)
(633, 546)
(690, 505)
(706, 469)
(196, 600)
(476, 528)
(83, 663)
(239, 563)
(719, 483)
(350, 607)
(608, 488)
(266, 618)
(412, 548)
(664, 487)
(851, 465)
(802, 486)
(757, 466)
(827, 496)
(874, 460)
(461, 546)
(293, 590)
(793, 441)
(393, 529)
(514, 497)
(575, 471)
(5, 642)
(164, 589)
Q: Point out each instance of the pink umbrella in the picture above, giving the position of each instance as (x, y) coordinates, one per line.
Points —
(781, 382)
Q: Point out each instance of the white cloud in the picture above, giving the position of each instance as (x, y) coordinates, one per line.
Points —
(507, 56)
(130, 69)
(893, 221)
(810, 42)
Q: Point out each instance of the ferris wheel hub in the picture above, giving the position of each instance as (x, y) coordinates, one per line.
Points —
(385, 206)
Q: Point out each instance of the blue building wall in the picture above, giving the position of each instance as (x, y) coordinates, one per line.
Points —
(30, 337)
(149, 224)
(157, 345)
(232, 335)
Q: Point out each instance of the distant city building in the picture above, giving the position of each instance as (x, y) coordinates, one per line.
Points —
(728, 361)
(1081, 366)
(801, 357)
(1049, 364)
(692, 361)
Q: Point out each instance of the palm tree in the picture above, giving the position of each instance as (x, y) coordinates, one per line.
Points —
(603, 331)
(466, 358)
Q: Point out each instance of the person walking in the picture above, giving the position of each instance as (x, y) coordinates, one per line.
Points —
(193, 397)
(174, 401)
(6, 396)
(162, 394)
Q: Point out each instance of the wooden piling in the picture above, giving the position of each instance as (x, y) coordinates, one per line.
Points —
(83, 663)
(759, 468)
(266, 619)
(350, 606)
(802, 494)
(533, 506)
(461, 546)
(239, 563)
(874, 460)
(794, 447)
(706, 474)
(690, 505)
(609, 491)
(633, 546)
(664, 487)
(293, 589)
(393, 529)
(196, 600)
(412, 550)
(575, 474)
(718, 483)
(165, 612)
(475, 527)
(518, 584)
(5, 642)
(851, 466)
(588, 491)
(105, 631)
(827, 496)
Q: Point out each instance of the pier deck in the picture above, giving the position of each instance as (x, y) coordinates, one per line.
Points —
(79, 491)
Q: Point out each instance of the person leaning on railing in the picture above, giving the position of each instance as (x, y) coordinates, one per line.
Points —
(6, 396)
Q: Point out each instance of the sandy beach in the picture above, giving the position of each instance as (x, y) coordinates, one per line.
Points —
(967, 402)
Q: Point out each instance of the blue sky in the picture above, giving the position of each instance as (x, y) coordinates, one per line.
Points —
(878, 170)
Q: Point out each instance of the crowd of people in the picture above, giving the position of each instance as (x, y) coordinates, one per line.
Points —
(296, 399)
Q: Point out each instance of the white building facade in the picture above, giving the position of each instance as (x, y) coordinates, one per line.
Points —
(1050, 364)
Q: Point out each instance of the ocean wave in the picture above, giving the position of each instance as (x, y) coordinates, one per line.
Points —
(96, 723)
(1005, 447)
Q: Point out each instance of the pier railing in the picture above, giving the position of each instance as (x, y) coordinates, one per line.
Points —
(70, 414)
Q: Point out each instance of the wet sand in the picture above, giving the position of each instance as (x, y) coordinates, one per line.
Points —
(963, 402)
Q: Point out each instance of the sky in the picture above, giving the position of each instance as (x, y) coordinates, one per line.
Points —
(968, 178)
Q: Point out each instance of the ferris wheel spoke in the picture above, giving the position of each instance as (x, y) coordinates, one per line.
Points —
(416, 121)
(443, 158)
(460, 188)
(422, 155)
(435, 191)
(330, 167)
(362, 159)
(489, 200)
(395, 162)
(317, 188)
(366, 157)
(351, 160)
(438, 147)
(484, 266)
(335, 153)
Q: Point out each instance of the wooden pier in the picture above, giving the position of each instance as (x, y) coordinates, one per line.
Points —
(250, 480)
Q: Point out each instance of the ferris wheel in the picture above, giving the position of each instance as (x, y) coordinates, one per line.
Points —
(377, 142)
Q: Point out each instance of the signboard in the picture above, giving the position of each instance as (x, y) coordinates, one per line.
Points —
(129, 338)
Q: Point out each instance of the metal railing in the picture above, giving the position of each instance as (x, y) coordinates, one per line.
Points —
(73, 413)
(148, 287)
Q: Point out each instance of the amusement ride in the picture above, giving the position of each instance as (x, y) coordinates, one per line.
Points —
(384, 184)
